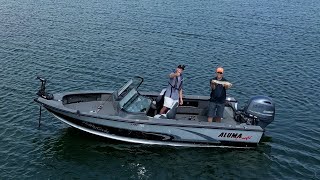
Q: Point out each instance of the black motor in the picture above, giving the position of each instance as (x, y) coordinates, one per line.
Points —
(260, 111)
(42, 91)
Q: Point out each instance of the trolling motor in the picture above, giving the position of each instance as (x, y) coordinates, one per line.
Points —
(42, 91)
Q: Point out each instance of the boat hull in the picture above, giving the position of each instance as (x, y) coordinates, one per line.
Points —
(159, 133)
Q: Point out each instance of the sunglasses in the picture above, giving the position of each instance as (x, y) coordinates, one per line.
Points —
(219, 72)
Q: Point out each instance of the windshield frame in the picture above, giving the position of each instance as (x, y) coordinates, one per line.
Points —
(133, 83)
(128, 98)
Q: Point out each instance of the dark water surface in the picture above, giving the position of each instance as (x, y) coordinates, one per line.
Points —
(269, 47)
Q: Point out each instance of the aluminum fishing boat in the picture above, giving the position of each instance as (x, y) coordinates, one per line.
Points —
(132, 116)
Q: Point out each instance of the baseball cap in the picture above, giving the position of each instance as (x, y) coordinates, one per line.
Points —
(181, 66)
(219, 70)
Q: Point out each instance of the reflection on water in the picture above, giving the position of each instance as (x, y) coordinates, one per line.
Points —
(145, 161)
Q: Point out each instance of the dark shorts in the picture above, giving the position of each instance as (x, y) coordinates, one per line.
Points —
(215, 110)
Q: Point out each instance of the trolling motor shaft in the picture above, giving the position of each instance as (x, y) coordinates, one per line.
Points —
(43, 94)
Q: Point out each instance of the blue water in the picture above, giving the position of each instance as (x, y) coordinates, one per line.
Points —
(267, 47)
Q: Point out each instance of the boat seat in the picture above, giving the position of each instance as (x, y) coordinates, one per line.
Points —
(171, 114)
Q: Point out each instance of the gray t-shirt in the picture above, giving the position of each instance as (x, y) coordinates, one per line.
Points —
(175, 84)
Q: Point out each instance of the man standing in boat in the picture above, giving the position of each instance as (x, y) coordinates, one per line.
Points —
(173, 93)
(218, 85)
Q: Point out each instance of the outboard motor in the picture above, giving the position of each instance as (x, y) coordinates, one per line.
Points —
(260, 111)
(42, 91)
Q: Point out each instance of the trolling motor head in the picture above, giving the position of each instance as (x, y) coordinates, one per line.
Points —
(42, 91)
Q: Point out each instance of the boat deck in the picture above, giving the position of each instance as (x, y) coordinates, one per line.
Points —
(228, 117)
(183, 112)
(100, 107)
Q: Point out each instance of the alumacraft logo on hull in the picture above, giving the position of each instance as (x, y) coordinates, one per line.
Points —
(234, 136)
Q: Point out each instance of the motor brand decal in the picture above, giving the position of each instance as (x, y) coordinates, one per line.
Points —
(234, 136)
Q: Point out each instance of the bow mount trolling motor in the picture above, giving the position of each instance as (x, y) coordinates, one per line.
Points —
(42, 91)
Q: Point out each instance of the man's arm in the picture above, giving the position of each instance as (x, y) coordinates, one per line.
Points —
(180, 96)
(227, 86)
(212, 84)
(176, 74)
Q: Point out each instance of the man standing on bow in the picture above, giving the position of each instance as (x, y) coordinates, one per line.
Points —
(173, 93)
(218, 96)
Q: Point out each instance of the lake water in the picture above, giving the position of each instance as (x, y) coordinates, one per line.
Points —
(267, 47)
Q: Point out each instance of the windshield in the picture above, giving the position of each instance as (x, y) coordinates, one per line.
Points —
(138, 104)
(130, 99)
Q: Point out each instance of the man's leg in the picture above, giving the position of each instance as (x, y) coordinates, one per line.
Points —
(166, 104)
(211, 111)
(220, 110)
(217, 119)
(163, 110)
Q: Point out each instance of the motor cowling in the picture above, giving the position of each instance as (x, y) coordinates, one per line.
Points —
(259, 111)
